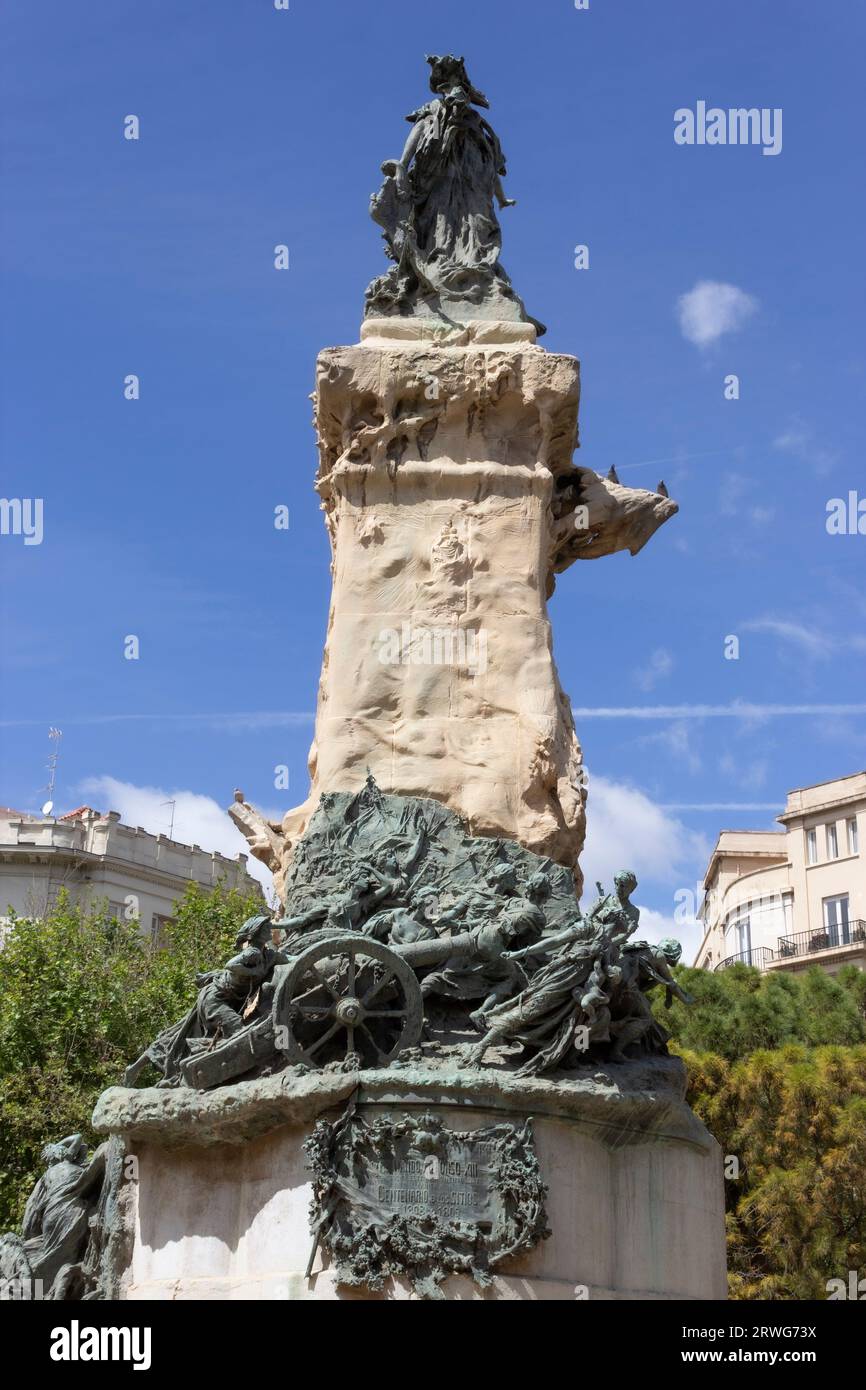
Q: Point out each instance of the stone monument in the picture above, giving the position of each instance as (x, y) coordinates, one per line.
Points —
(435, 1075)
(452, 502)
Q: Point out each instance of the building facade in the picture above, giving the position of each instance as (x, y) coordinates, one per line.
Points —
(97, 858)
(796, 897)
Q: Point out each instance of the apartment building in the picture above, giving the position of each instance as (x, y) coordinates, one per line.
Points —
(796, 897)
(97, 858)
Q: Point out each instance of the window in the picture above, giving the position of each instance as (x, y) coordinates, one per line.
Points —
(832, 842)
(836, 920)
(738, 935)
(812, 846)
(852, 835)
(158, 924)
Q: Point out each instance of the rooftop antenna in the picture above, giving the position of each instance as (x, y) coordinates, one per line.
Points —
(172, 804)
(55, 736)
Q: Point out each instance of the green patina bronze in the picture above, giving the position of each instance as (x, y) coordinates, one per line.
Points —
(407, 1196)
(402, 930)
(437, 210)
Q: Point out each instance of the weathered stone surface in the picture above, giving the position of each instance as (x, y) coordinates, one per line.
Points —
(451, 502)
(635, 1201)
(634, 1103)
(616, 518)
(414, 330)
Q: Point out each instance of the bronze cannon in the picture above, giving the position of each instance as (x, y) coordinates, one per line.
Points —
(343, 996)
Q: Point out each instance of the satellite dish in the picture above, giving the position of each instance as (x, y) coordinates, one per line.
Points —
(48, 808)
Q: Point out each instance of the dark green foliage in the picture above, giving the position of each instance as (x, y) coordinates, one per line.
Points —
(739, 1010)
(777, 1072)
(795, 1121)
(81, 994)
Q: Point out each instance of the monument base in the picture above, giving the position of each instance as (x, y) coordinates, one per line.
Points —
(220, 1205)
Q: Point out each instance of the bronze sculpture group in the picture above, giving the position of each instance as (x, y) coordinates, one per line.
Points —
(410, 933)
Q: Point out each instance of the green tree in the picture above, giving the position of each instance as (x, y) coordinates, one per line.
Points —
(777, 1072)
(795, 1119)
(739, 1010)
(81, 995)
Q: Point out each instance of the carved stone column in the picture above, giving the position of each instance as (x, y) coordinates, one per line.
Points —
(451, 499)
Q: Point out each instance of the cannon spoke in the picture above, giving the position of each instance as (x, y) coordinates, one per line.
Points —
(362, 1028)
(375, 989)
(322, 982)
(314, 1047)
(315, 1010)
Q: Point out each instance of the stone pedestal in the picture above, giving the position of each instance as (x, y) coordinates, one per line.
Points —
(451, 502)
(438, 467)
(219, 1208)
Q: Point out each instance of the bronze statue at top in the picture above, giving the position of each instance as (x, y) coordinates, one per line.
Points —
(437, 208)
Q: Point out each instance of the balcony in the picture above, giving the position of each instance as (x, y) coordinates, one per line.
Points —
(760, 957)
(800, 944)
(807, 943)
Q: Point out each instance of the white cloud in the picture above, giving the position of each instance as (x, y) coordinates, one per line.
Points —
(627, 830)
(711, 309)
(809, 641)
(793, 440)
(799, 441)
(748, 772)
(660, 664)
(676, 740)
(732, 492)
(198, 819)
(842, 731)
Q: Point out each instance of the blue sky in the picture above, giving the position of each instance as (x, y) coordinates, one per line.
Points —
(155, 257)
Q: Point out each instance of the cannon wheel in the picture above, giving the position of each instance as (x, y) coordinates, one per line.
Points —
(368, 1007)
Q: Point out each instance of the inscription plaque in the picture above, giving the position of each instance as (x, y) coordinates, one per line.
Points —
(407, 1196)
